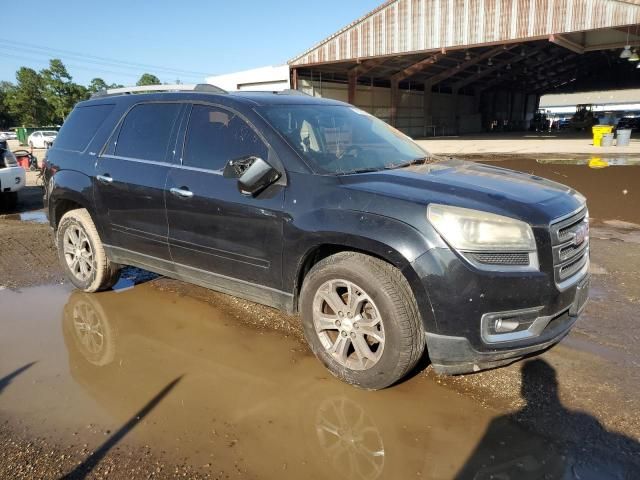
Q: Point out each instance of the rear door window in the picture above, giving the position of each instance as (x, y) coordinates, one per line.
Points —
(146, 131)
(216, 136)
(81, 126)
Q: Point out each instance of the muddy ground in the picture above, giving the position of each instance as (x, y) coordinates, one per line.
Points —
(160, 379)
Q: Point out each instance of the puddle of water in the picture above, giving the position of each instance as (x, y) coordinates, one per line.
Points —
(612, 193)
(238, 398)
(38, 216)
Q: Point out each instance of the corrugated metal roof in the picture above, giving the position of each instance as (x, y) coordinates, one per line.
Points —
(410, 26)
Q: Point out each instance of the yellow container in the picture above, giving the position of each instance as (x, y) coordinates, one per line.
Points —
(598, 131)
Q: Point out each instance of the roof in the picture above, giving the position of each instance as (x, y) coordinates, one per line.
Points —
(411, 26)
(245, 97)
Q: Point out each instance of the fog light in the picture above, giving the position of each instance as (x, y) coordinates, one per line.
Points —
(503, 326)
(509, 325)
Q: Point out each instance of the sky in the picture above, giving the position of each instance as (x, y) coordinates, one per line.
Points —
(186, 40)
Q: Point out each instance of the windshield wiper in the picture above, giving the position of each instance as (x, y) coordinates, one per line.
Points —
(362, 170)
(415, 161)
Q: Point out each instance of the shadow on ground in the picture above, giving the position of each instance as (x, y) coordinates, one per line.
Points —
(85, 468)
(506, 453)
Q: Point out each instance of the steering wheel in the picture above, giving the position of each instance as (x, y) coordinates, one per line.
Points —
(357, 149)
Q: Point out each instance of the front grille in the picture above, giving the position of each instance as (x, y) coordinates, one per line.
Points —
(570, 246)
(499, 258)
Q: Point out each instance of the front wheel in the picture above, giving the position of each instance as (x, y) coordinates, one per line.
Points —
(82, 254)
(361, 320)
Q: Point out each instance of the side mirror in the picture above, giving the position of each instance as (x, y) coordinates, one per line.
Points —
(253, 173)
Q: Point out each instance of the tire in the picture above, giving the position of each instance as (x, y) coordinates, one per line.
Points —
(10, 200)
(82, 254)
(383, 321)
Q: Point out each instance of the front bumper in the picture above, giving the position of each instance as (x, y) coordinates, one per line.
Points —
(460, 296)
(454, 355)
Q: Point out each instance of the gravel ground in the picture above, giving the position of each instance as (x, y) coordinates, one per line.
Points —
(596, 367)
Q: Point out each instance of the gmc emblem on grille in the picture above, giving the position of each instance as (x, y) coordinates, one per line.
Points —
(580, 234)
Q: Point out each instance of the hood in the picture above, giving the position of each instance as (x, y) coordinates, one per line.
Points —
(473, 185)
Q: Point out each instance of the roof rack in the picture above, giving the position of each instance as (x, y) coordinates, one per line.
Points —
(180, 87)
(291, 91)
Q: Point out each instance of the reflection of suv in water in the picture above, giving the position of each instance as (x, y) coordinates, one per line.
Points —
(314, 206)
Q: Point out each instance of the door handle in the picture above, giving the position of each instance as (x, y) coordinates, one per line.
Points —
(106, 179)
(181, 192)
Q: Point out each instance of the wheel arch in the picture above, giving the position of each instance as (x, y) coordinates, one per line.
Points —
(70, 190)
(375, 249)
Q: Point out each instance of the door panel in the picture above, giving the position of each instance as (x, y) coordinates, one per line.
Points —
(134, 204)
(222, 231)
(131, 178)
(218, 229)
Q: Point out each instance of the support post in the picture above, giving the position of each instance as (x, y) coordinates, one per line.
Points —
(353, 82)
(294, 79)
(394, 102)
(426, 107)
(456, 109)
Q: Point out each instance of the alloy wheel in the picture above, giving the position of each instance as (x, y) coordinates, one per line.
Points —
(348, 324)
(78, 253)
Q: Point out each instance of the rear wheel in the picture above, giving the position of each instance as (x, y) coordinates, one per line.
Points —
(82, 254)
(10, 200)
(361, 320)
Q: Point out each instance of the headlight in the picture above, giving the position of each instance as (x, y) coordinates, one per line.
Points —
(475, 231)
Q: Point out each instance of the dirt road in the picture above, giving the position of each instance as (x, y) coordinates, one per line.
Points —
(159, 379)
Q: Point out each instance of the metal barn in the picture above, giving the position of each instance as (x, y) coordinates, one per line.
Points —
(440, 67)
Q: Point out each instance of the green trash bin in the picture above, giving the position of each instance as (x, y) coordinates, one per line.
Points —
(22, 134)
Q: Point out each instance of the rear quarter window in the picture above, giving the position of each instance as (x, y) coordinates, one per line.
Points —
(81, 126)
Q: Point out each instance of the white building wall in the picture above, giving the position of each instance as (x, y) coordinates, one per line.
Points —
(272, 78)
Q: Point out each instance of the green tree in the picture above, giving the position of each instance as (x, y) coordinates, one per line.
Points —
(96, 85)
(7, 119)
(60, 91)
(26, 101)
(148, 79)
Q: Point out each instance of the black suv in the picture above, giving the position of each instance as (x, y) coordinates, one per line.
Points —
(314, 206)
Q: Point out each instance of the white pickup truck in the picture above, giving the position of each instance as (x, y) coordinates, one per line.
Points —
(12, 178)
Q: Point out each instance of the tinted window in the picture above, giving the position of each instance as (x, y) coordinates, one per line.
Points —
(146, 131)
(80, 127)
(342, 139)
(216, 136)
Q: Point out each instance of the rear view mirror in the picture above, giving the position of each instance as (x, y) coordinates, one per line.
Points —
(253, 173)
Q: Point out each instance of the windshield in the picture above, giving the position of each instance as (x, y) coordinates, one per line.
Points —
(50, 134)
(339, 139)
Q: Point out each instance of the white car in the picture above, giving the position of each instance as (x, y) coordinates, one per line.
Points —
(8, 135)
(12, 178)
(42, 138)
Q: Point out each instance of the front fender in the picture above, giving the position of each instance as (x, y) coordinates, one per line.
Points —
(389, 239)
